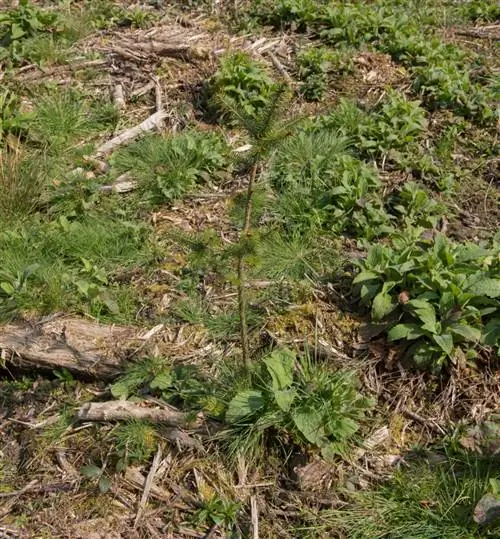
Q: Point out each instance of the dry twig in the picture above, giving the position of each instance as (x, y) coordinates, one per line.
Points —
(147, 486)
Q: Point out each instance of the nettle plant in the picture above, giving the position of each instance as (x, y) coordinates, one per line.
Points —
(439, 298)
(300, 401)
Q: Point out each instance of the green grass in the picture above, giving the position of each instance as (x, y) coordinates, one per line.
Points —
(63, 117)
(421, 501)
(24, 179)
(221, 325)
(58, 257)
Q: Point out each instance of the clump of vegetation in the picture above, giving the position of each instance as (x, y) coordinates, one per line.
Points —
(242, 84)
(320, 186)
(12, 120)
(315, 65)
(169, 167)
(479, 11)
(62, 117)
(298, 399)
(438, 298)
(395, 124)
(25, 21)
(134, 442)
(69, 264)
(414, 206)
(23, 183)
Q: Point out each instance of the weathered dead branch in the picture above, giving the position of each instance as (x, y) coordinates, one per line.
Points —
(125, 411)
(149, 124)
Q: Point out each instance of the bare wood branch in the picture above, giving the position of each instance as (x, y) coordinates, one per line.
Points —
(279, 66)
(143, 89)
(211, 532)
(137, 480)
(158, 94)
(483, 32)
(149, 124)
(122, 184)
(125, 410)
(255, 517)
(119, 97)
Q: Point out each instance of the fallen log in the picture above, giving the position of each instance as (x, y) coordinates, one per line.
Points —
(83, 347)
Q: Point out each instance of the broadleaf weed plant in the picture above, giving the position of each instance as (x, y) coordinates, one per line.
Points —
(297, 400)
(439, 298)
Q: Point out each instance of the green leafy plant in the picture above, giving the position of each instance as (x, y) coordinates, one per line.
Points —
(416, 207)
(146, 374)
(321, 186)
(218, 511)
(442, 75)
(479, 10)
(18, 24)
(98, 476)
(181, 385)
(12, 121)
(437, 297)
(242, 84)
(297, 399)
(102, 14)
(169, 167)
(352, 24)
(315, 65)
(395, 124)
(12, 288)
(299, 14)
(92, 286)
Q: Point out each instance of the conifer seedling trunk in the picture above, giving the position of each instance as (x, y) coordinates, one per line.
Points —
(242, 299)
